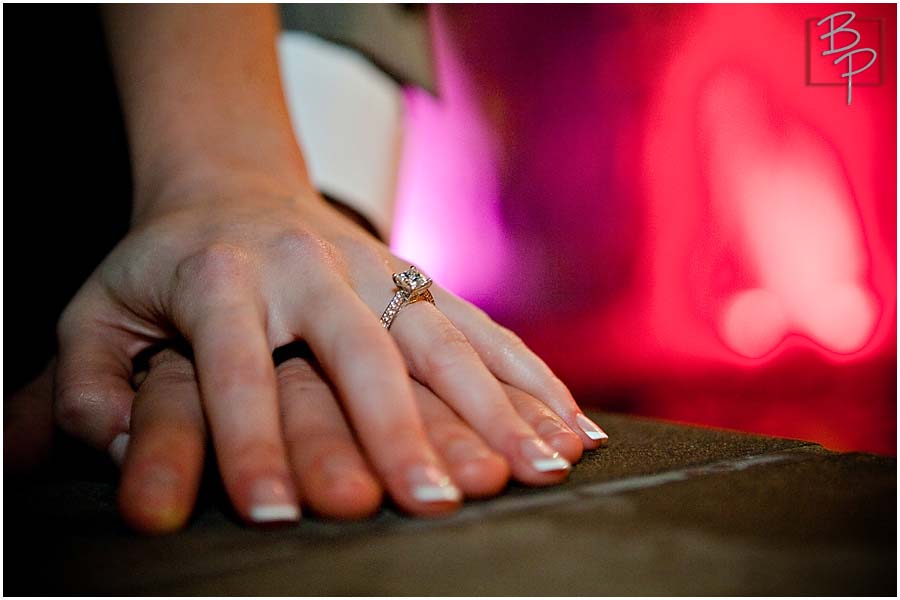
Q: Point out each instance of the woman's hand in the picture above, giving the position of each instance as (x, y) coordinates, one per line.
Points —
(238, 276)
(234, 252)
(161, 472)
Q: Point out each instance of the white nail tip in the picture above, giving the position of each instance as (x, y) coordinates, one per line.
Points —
(550, 464)
(274, 512)
(118, 447)
(436, 493)
(590, 428)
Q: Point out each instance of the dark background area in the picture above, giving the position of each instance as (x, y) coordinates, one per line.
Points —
(67, 184)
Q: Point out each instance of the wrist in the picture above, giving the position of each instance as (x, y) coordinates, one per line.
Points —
(213, 186)
(201, 169)
(202, 97)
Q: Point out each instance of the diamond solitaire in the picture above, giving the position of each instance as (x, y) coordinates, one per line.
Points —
(412, 286)
(411, 281)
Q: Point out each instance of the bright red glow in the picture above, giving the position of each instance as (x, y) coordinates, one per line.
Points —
(728, 232)
(779, 191)
(764, 163)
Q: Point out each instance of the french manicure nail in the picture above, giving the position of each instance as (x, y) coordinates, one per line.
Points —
(118, 447)
(430, 484)
(543, 458)
(272, 500)
(590, 428)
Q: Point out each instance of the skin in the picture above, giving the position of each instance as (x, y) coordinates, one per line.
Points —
(233, 252)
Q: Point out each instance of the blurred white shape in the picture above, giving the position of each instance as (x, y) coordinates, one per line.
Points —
(780, 188)
(348, 118)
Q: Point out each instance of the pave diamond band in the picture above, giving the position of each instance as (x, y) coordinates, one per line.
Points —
(400, 300)
(412, 287)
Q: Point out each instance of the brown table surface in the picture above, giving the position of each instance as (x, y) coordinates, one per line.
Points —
(664, 509)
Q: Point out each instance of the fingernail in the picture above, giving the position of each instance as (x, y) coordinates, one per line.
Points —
(272, 500)
(592, 430)
(543, 458)
(118, 447)
(430, 484)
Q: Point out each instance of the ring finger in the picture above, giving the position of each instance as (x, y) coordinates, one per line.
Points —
(512, 362)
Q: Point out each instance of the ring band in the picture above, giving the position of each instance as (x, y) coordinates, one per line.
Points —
(412, 287)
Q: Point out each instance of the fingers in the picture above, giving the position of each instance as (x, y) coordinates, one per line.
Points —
(164, 457)
(237, 379)
(546, 423)
(474, 466)
(92, 391)
(442, 358)
(331, 473)
(221, 313)
(511, 361)
(364, 364)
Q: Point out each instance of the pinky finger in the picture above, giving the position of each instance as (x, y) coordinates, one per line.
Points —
(512, 362)
(164, 458)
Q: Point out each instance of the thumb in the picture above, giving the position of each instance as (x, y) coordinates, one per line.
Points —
(92, 389)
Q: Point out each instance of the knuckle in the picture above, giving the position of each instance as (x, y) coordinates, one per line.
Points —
(297, 242)
(369, 256)
(75, 406)
(310, 256)
(217, 263)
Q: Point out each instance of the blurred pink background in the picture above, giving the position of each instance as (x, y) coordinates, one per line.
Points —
(658, 203)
